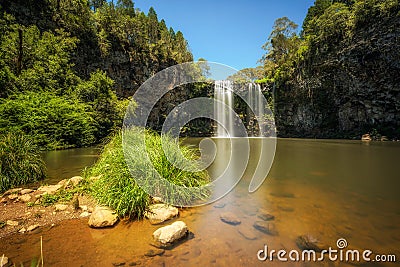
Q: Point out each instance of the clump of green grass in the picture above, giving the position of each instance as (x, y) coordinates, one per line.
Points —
(118, 189)
(20, 161)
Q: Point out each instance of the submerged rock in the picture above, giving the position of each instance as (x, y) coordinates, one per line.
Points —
(219, 205)
(266, 216)
(154, 252)
(308, 242)
(247, 233)
(166, 236)
(266, 227)
(282, 194)
(102, 217)
(159, 213)
(230, 218)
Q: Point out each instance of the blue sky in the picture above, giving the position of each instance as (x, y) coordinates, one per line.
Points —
(228, 32)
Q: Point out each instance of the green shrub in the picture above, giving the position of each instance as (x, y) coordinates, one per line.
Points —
(20, 161)
(117, 188)
(52, 121)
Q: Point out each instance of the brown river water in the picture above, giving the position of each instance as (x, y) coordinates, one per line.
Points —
(326, 189)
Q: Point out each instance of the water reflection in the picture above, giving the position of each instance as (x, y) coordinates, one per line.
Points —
(328, 189)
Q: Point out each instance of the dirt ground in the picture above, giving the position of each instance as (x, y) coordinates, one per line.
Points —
(19, 216)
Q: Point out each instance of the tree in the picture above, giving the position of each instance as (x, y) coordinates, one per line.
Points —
(281, 40)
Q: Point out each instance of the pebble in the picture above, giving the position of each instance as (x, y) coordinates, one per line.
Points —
(12, 196)
(22, 230)
(84, 208)
(61, 207)
(32, 227)
(84, 214)
(219, 206)
(12, 223)
(26, 191)
(3, 261)
(25, 198)
(3, 200)
(12, 191)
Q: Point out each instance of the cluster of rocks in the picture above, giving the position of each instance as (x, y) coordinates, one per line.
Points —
(264, 225)
(164, 237)
(33, 197)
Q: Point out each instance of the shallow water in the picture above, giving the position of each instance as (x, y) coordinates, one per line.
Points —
(62, 164)
(327, 189)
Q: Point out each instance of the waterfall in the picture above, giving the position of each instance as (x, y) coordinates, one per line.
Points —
(224, 114)
(254, 98)
(223, 93)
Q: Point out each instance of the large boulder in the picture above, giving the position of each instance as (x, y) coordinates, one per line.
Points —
(166, 236)
(102, 217)
(159, 213)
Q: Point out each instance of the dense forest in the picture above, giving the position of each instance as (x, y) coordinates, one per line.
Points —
(68, 66)
(338, 76)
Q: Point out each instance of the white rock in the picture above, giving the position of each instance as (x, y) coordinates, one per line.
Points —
(84, 208)
(63, 182)
(12, 196)
(60, 207)
(159, 213)
(32, 227)
(84, 214)
(12, 223)
(12, 191)
(157, 200)
(22, 230)
(26, 191)
(76, 180)
(102, 217)
(3, 261)
(25, 198)
(168, 234)
(49, 189)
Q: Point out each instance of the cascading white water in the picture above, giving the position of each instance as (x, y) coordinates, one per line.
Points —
(223, 93)
(254, 98)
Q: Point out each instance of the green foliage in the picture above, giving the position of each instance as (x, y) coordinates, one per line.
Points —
(118, 189)
(20, 161)
(107, 110)
(52, 121)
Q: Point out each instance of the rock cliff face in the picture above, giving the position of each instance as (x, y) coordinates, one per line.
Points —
(352, 89)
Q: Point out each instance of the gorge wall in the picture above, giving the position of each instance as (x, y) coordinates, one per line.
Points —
(350, 88)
